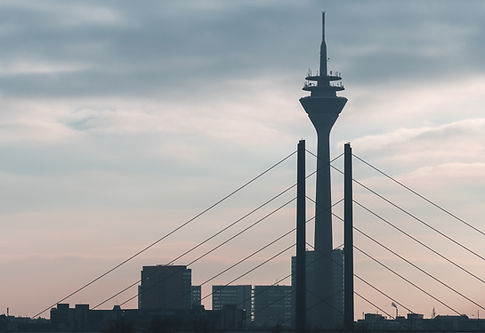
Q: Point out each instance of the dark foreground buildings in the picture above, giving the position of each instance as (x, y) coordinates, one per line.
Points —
(172, 304)
(165, 288)
(81, 319)
(337, 272)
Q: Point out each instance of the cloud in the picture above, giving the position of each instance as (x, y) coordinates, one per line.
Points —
(455, 142)
(126, 119)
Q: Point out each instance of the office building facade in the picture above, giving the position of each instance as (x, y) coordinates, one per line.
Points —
(237, 295)
(165, 288)
(336, 303)
(273, 306)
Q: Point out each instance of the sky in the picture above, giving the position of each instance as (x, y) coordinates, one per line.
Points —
(120, 121)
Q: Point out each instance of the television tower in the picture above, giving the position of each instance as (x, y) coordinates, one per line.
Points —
(323, 107)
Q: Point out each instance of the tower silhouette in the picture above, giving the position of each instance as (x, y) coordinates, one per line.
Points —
(323, 107)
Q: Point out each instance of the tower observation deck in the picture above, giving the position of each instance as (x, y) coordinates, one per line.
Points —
(323, 107)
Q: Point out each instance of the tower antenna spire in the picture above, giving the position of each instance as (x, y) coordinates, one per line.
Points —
(323, 26)
(323, 54)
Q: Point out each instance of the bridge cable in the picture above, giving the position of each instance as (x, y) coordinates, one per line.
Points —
(355, 275)
(168, 234)
(356, 293)
(415, 217)
(253, 254)
(254, 268)
(259, 250)
(408, 281)
(420, 195)
(420, 269)
(421, 243)
(363, 280)
(391, 270)
(214, 235)
(200, 257)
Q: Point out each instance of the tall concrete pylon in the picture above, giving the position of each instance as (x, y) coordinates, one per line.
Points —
(323, 107)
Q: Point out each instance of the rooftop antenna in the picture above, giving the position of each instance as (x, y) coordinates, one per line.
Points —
(395, 306)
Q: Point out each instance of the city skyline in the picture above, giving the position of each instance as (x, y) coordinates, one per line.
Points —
(121, 124)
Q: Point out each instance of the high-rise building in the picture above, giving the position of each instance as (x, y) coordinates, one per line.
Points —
(238, 295)
(337, 271)
(273, 306)
(338, 285)
(196, 296)
(323, 107)
(165, 288)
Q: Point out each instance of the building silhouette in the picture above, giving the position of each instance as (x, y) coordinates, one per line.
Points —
(239, 296)
(80, 318)
(273, 306)
(323, 107)
(338, 285)
(196, 296)
(165, 288)
(337, 271)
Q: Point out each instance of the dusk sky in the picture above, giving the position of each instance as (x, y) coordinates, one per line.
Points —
(120, 120)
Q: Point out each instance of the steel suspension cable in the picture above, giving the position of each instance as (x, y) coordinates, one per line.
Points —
(415, 217)
(355, 275)
(320, 300)
(201, 256)
(254, 268)
(421, 243)
(360, 278)
(259, 250)
(364, 298)
(247, 257)
(393, 271)
(190, 250)
(168, 234)
(374, 305)
(408, 281)
(419, 268)
(420, 195)
(369, 284)
(287, 276)
(209, 238)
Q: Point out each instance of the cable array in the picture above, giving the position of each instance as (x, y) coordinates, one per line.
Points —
(168, 234)
(214, 235)
(203, 255)
(393, 271)
(419, 242)
(451, 239)
(419, 195)
(189, 221)
(257, 251)
(375, 288)
(418, 268)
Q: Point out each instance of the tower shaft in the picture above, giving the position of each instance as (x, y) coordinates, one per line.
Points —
(323, 311)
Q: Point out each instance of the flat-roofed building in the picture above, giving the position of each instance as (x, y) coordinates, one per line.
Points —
(237, 295)
(165, 288)
(273, 306)
(337, 266)
(196, 296)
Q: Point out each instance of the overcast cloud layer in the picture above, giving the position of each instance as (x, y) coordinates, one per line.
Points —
(120, 120)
